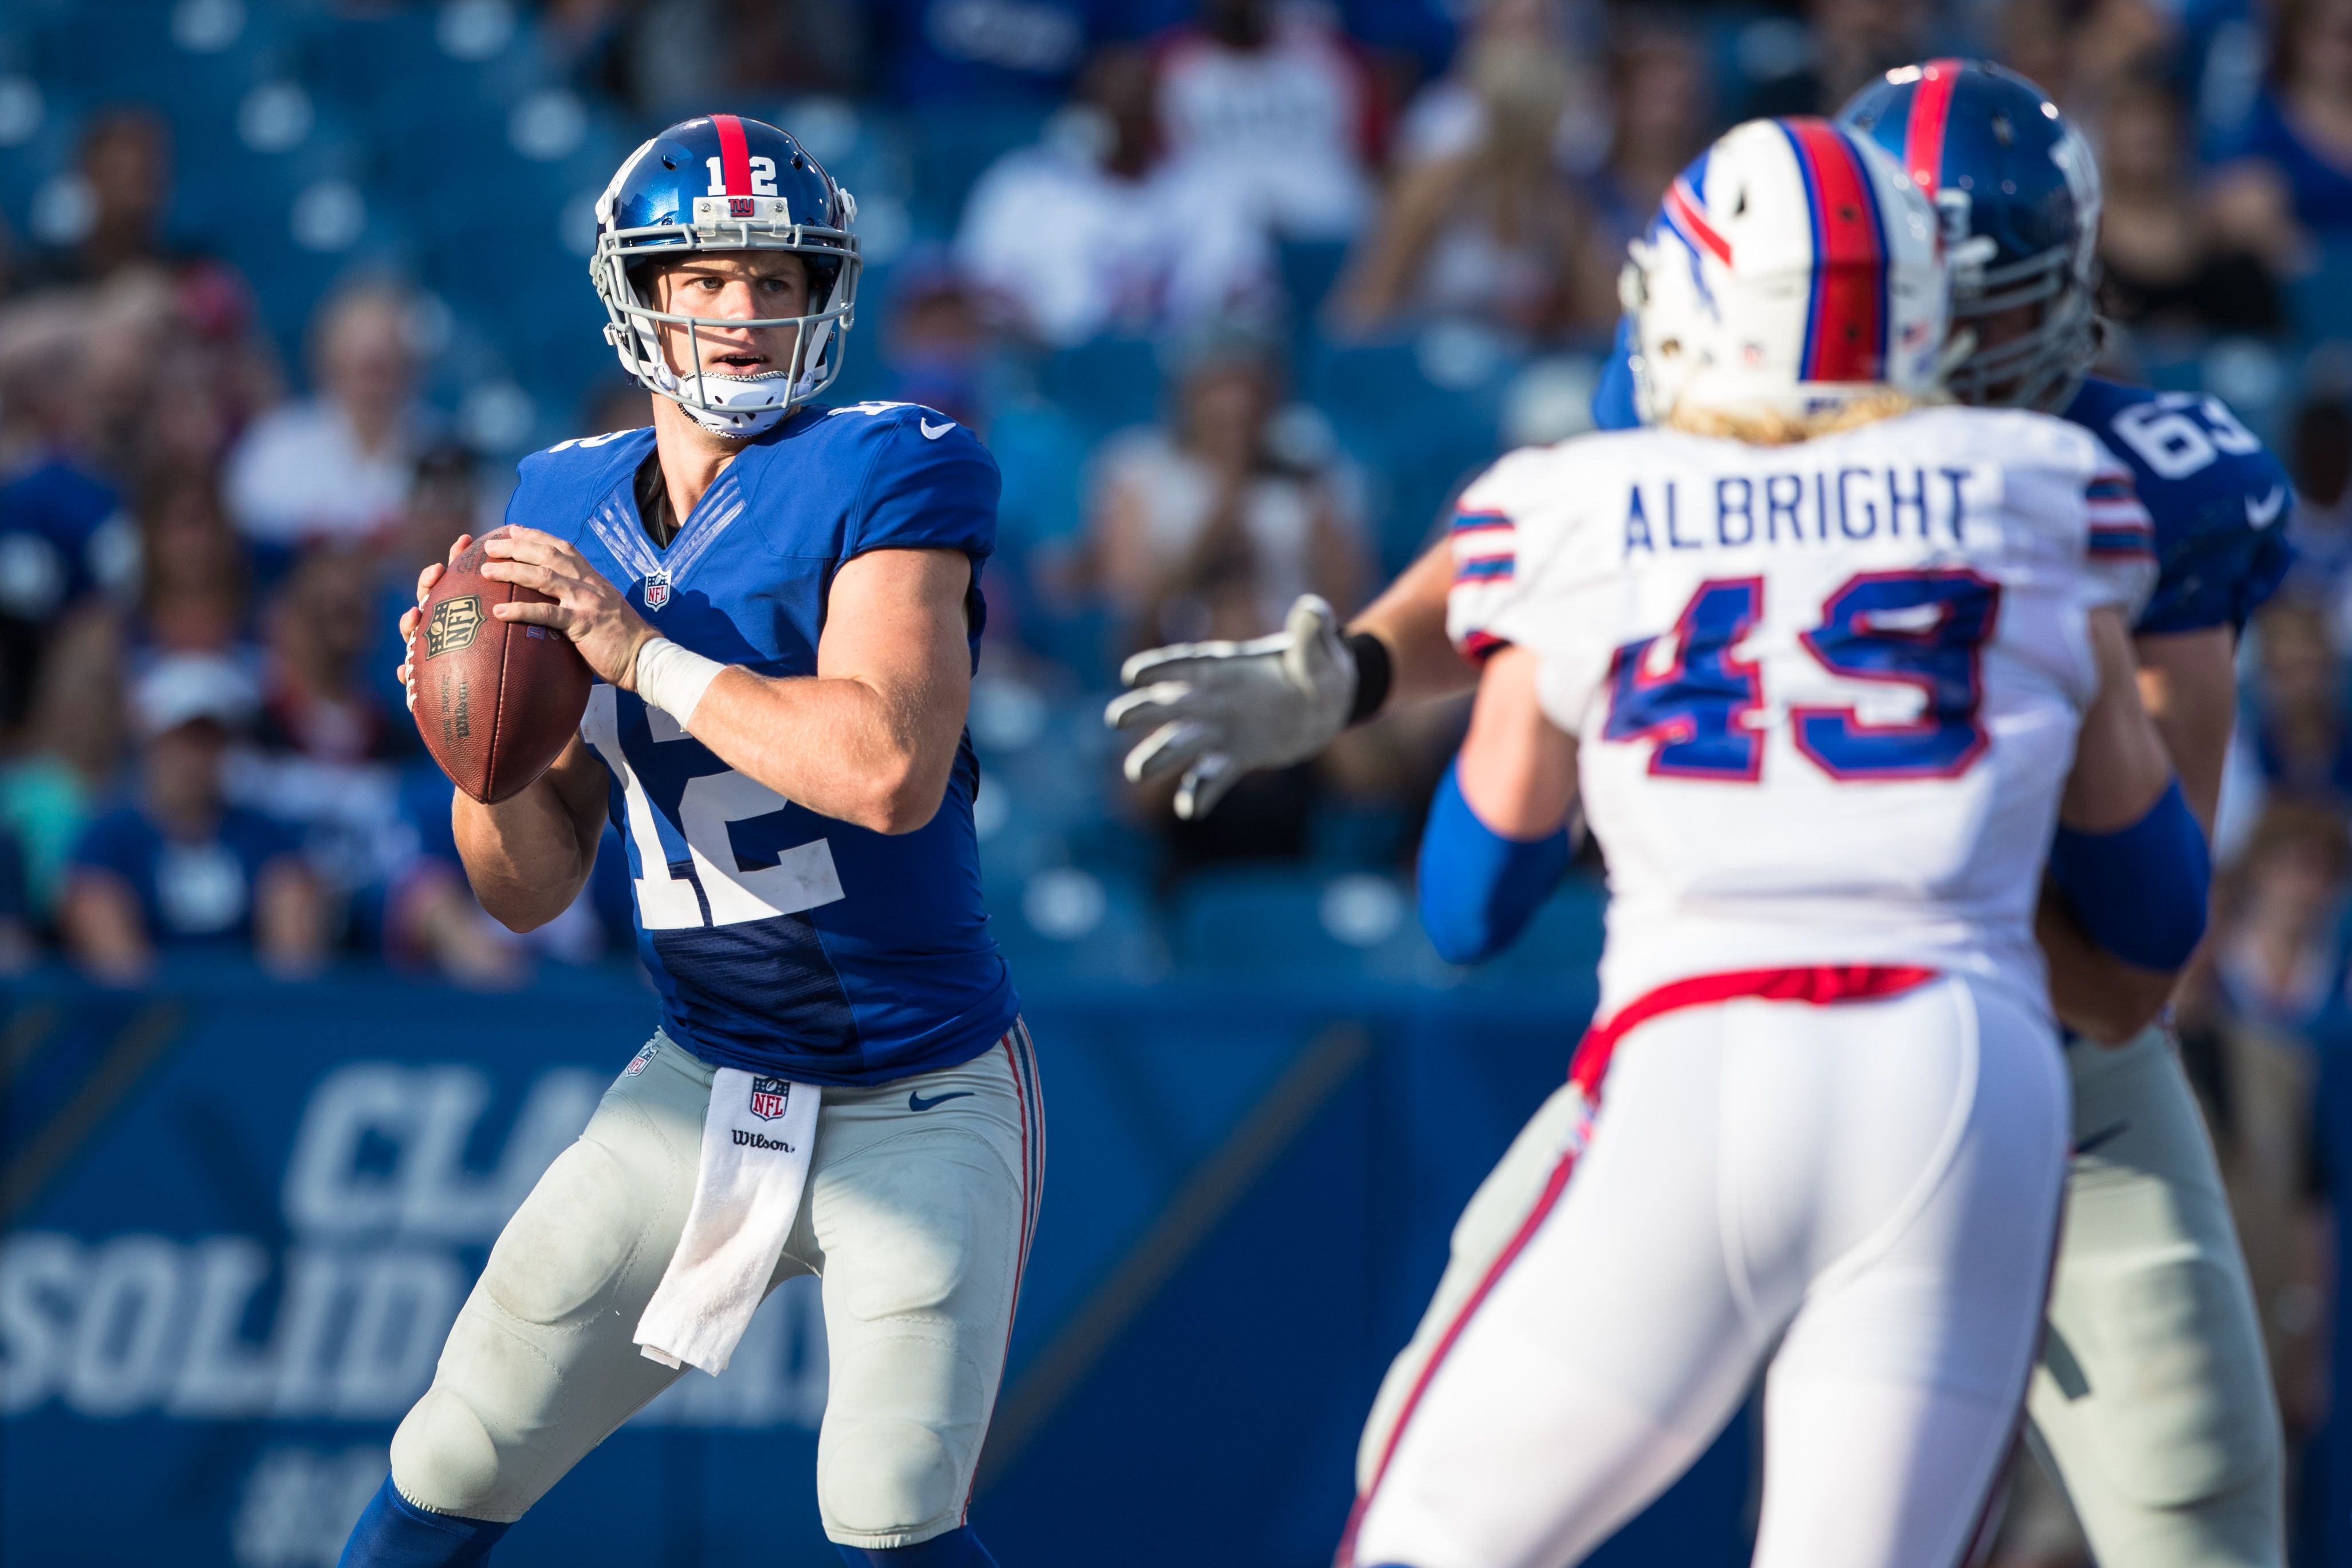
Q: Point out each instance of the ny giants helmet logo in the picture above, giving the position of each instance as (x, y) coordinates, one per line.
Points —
(769, 1097)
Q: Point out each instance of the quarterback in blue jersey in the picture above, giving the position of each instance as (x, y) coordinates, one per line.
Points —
(2153, 1403)
(779, 600)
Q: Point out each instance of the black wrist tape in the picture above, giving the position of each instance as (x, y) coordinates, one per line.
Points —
(1374, 670)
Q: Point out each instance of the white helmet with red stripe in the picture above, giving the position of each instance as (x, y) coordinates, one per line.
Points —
(1791, 268)
(721, 181)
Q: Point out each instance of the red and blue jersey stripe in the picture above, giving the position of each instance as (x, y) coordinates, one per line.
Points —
(2119, 524)
(1846, 317)
(1486, 547)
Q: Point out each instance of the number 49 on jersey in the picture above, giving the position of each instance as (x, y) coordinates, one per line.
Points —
(1923, 629)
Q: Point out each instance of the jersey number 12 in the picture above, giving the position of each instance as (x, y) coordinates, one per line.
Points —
(801, 878)
(1924, 629)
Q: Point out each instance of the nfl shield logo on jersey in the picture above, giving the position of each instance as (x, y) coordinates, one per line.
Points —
(768, 1097)
(656, 590)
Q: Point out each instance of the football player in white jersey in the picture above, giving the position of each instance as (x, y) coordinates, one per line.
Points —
(2153, 1403)
(1829, 666)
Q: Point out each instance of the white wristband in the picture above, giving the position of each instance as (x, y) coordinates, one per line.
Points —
(674, 679)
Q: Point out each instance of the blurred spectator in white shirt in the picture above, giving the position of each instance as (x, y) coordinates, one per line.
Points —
(1082, 233)
(1491, 234)
(1445, 118)
(1274, 107)
(1212, 528)
(338, 464)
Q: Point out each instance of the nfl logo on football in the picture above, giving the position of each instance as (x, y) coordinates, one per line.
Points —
(656, 590)
(768, 1097)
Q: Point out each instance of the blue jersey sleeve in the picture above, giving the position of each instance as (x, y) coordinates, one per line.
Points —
(929, 485)
(1612, 399)
(2217, 499)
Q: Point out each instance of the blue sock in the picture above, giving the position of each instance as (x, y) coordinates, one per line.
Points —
(956, 1549)
(393, 1532)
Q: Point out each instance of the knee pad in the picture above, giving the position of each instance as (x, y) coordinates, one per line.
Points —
(885, 1476)
(442, 1456)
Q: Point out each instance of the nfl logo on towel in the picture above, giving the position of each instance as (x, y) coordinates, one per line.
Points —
(656, 590)
(768, 1097)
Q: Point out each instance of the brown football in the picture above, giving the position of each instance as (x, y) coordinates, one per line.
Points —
(497, 701)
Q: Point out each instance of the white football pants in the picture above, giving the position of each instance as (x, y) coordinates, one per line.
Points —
(1866, 1194)
(922, 1197)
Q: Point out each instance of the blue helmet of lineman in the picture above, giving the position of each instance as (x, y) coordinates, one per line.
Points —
(724, 182)
(2018, 195)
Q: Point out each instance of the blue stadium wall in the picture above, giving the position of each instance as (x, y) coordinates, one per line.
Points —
(241, 1215)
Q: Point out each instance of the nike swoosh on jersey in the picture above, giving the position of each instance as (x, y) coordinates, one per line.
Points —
(915, 1100)
(2263, 512)
(931, 434)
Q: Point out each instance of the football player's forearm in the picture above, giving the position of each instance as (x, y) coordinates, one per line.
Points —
(2094, 992)
(843, 747)
(2188, 681)
(1409, 618)
(528, 858)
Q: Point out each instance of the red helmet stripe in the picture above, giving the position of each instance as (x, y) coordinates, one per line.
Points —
(1848, 337)
(734, 155)
(1923, 133)
(1682, 206)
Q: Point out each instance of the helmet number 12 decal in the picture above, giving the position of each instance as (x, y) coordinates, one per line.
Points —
(763, 176)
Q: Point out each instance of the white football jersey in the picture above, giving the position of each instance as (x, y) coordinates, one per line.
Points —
(1826, 694)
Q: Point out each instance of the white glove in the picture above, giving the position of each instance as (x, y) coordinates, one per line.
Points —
(1218, 708)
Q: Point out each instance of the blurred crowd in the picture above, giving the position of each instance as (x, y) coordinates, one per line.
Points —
(1168, 303)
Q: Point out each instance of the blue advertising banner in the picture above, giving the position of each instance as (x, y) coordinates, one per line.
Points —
(241, 1215)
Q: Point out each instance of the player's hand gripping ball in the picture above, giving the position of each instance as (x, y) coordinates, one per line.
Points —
(495, 699)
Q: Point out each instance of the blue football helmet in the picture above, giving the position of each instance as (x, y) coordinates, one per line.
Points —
(724, 183)
(2018, 190)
